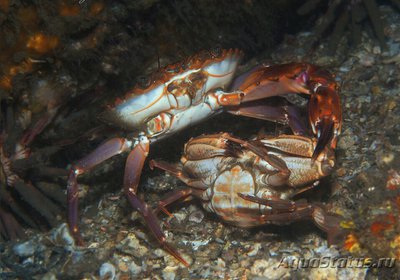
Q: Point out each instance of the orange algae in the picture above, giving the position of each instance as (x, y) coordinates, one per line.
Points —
(69, 10)
(42, 43)
(386, 222)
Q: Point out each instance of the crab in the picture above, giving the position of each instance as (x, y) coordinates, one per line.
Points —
(253, 183)
(188, 92)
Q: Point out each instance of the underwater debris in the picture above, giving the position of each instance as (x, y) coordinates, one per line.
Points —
(341, 16)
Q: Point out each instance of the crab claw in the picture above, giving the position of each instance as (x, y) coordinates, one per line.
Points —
(265, 81)
(325, 116)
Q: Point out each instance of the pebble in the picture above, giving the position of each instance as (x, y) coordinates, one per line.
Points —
(197, 243)
(196, 217)
(122, 266)
(347, 141)
(384, 158)
(159, 253)
(322, 273)
(62, 236)
(25, 249)
(134, 268)
(376, 50)
(169, 272)
(352, 273)
(254, 249)
(107, 271)
(340, 172)
(221, 264)
(49, 276)
(366, 59)
(180, 216)
(131, 245)
(219, 240)
(269, 268)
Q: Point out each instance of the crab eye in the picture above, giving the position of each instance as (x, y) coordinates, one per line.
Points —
(216, 52)
(175, 68)
(184, 65)
(143, 81)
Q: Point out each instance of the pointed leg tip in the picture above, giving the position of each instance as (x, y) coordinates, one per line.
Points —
(336, 237)
(169, 214)
(78, 242)
(175, 254)
(331, 225)
(77, 238)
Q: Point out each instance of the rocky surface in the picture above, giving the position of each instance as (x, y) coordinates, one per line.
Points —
(364, 189)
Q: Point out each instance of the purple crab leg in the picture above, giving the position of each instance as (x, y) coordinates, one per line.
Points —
(133, 168)
(297, 210)
(295, 215)
(105, 151)
(37, 128)
(276, 109)
(275, 203)
(171, 198)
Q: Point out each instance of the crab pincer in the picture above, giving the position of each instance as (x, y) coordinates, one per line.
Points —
(263, 82)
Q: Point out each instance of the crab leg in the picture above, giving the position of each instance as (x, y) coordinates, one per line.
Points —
(197, 184)
(296, 215)
(277, 179)
(299, 211)
(110, 148)
(133, 168)
(276, 109)
(328, 223)
(38, 127)
(171, 198)
(275, 203)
